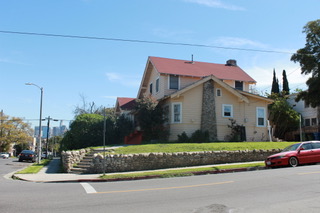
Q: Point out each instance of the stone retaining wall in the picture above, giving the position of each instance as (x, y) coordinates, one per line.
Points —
(150, 161)
(70, 158)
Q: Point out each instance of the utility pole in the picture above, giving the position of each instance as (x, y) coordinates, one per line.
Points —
(104, 140)
(1, 122)
(48, 134)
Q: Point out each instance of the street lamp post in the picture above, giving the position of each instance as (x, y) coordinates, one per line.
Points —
(40, 120)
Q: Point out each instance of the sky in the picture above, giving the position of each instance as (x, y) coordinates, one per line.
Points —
(100, 70)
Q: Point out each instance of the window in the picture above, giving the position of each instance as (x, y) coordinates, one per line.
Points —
(239, 85)
(218, 92)
(173, 82)
(313, 121)
(261, 116)
(307, 146)
(307, 122)
(306, 105)
(150, 88)
(176, 112)
(227, 110)
(316, 145)
(157, 85)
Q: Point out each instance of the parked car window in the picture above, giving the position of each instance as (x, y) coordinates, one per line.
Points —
(316, 145)
(293, 147)
(307, 146)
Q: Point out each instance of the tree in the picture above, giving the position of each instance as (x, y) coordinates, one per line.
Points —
(123, 127)
(86, 131)
(55, 144)
(13, 130)
(151, 120)
(87, 107)
(275, 84)
(285, 83)
(309, 59)
(283, 117)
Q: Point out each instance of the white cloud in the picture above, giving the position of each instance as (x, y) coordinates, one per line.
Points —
(113, 76)
(111, 97)
(238, 42)
(125, 80)
(165, 33)
(9, 61)
(216, 4)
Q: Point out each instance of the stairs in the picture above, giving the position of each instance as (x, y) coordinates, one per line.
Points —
(84, 164)
(133, 138)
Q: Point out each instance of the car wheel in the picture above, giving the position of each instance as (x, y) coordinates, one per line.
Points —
(293, 161)
(20, 160)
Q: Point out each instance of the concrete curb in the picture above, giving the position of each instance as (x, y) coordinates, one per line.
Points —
(14, 176)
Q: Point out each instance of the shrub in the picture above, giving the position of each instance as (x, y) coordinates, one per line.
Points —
(197, 137)
(183, 138)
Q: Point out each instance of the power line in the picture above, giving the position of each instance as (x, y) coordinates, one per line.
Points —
(141, 41)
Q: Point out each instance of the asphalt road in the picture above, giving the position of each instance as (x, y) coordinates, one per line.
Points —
(275, 190)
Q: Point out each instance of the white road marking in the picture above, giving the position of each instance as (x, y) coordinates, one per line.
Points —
(89, 189)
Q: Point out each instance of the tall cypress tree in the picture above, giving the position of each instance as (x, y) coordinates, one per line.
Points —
(275, 84)
(285, 83)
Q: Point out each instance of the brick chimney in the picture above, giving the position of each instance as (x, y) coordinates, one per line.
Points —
(231, 62)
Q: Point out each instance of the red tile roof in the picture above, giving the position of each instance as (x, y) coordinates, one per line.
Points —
(199, 69)
(126, 103)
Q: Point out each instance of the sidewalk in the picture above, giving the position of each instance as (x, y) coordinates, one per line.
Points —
(49, 174)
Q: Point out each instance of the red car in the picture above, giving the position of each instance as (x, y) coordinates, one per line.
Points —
(296, 154)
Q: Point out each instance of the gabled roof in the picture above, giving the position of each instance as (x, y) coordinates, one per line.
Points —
(199, 69)
(238, 93)
(125, 103)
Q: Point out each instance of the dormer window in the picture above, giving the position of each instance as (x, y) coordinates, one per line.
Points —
(173, 82)
(239, 85)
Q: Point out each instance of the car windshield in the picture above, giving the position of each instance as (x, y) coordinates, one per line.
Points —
(292, 147)
(27, 152)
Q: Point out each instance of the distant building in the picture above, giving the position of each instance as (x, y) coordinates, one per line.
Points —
(63, 129)
(43, 133)
(54, 131)
(310, 119)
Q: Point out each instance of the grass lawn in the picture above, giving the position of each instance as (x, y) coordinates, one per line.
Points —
(34, 168)
(193, 147)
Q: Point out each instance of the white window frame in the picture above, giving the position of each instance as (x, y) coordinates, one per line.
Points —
(264, 116)
(178, 81)
(157, 85)
(218, 90)
(173, 113)
(223, 110)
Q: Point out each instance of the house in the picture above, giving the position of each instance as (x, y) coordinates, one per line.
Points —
(124, 106)
(310, 119)
(205, 96)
